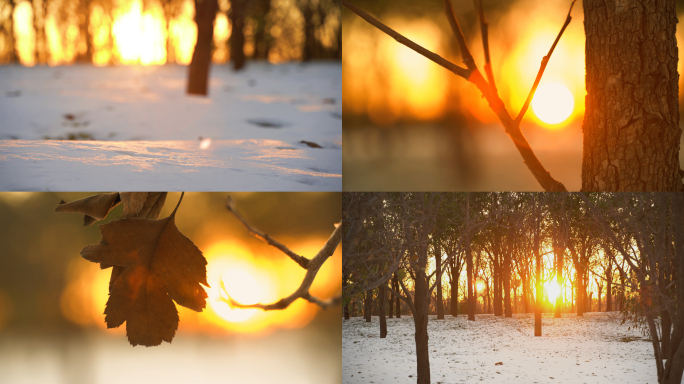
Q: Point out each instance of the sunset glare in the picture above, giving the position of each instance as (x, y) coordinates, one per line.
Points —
(241, 287)
(552, 291)
(553, 103)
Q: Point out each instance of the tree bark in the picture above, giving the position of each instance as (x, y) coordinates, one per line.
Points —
(198, 72)
(420, 319)
(631, 123)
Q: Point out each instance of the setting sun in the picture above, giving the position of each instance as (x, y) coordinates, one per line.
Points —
(553, 103)
(241, 287)
(552, 291)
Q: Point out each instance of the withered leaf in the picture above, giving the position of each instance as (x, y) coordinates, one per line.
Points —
(143, 205)
(94, 207)
(158, 264)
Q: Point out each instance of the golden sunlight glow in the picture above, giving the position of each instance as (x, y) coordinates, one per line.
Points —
(140, 37)
(552, 290)
(239, 286)
(480, 286)
(553, 103)
(250, 274)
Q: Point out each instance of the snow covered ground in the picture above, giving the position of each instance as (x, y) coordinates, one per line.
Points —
(270, 127)
(590, 349)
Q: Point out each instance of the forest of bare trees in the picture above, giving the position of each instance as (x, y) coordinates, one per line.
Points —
(303, 30)
(420, 254)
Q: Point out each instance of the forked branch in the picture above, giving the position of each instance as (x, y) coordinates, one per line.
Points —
(312, 267)
(488, 89)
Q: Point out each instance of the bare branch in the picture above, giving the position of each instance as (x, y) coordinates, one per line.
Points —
(484, 30)
(302, 261)
(473, 75)
(303, 291)
(544, 62)
(456, 28)
(439, 60)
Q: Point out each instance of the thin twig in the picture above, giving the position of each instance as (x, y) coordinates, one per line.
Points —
(302, 261)
(544, 62)
(456, 28)
(473, 75)
(459, 71)
(484, 30)
(303, 291)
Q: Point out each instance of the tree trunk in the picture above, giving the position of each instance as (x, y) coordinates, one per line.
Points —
(508, 312)
(469, 270)
(368, 305)
(631, 123)
(454, 287)
(383, 321)
(609, 286)
(395, 281)
(198, 72)
(308, 51)
(438, 262)
(537, 280)
(84, 31)
(579, 301)
(237, 36)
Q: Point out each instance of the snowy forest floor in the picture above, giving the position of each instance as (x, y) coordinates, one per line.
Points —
(269, 127)
(594, 348)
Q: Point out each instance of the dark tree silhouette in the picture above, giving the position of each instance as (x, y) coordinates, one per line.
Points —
(198, 71)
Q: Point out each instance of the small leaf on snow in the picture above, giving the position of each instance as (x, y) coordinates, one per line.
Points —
(157, 264)
(94, 207)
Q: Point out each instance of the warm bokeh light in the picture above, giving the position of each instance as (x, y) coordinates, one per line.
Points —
(388, 82)
(480, 286)
(239, 286)
(552, 290)
(553, 103)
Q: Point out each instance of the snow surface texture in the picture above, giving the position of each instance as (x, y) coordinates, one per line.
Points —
(270, 127)
(594, 348)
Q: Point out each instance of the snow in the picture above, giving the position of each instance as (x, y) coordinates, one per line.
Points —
(138, 128)
(594, 348)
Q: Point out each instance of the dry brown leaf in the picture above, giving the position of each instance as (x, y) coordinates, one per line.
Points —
(157, 264)
(132, 202)
(94, 207)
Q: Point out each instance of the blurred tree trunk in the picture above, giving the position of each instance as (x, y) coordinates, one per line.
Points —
(308, 51)
(262, 37)
(198, 73)
(508, 312)
(631, 124)
(237, 36)
(12, 48)
(84, 31)
(169, 7)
